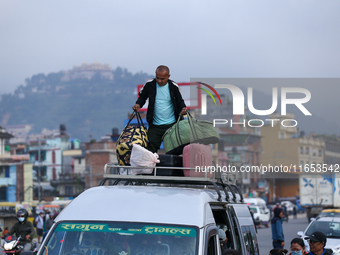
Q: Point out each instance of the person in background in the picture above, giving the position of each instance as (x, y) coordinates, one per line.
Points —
(295, 212)
(223, 238)
(277, 205)
(47, 216)
(49, 222)
(48, 225)
(278, 252)
(277, 231)
(297, 247)
(317, 242)
(40, 225)
(165, 105)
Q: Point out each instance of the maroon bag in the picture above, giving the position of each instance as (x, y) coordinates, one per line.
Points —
(198, 156)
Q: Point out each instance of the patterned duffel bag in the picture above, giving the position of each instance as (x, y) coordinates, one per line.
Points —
(131, 134)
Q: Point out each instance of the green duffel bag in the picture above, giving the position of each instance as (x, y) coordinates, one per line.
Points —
(187, 131)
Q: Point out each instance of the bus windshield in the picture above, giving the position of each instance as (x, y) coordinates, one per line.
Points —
(106, 238)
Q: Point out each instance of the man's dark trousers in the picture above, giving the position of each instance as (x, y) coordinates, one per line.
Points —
(155, 134)
(277, 244)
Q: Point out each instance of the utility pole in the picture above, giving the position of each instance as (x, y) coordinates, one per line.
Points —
(91, 176)
(39, 188)
(277, 154)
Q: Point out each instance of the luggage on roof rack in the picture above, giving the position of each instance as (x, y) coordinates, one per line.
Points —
(198, 156)
(173, 163)
(226, 182)
(118, 170)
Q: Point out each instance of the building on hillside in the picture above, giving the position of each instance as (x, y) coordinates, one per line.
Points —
(87, 71)
(22, 134)
(286, 147)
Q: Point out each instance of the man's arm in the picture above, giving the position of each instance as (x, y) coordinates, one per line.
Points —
(180, 102)
(184, 111)
(143, 96)
(279, 230)
(136, 107)
(31, 234)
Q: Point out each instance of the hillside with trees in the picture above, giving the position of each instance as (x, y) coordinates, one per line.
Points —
(86, 101)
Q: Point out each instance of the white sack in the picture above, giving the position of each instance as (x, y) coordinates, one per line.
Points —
(141, 157)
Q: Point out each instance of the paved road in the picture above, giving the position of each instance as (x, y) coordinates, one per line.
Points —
(289, 230)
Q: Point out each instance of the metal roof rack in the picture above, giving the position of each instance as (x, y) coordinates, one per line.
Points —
(225, 182)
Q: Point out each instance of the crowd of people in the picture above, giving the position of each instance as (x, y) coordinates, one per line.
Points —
(317, 240)
(44, 222)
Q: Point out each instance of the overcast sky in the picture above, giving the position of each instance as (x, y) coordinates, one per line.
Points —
(194, 38)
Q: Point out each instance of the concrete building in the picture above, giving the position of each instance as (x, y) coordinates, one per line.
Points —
(239, 144)
(50, 157)
(4, 149)
(46, 156)
(15, 173)
(16, 182)
(332, 150)
(241, 150)
(71, 181)
(291, 149)
(22, 134)
(97, 155)
(58, 162)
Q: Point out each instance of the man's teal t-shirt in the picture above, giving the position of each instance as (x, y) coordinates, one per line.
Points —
(164, 110)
